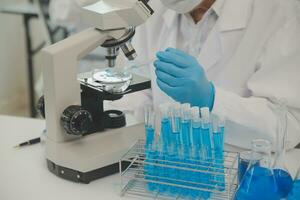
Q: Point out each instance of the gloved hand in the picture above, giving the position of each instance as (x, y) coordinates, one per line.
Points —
(181, 77)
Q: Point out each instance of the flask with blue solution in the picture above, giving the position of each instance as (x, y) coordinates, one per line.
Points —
(259, 182)
(150, 150)
(218, 146)
(282, 175)
(295, 192)
(245, 158)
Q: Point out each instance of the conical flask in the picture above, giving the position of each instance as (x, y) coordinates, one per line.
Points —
(282, 175)
(259, 182)
(295, 192)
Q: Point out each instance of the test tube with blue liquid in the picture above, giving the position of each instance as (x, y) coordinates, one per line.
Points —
(185, 134)
(150, 150)
(185, 131)
(218, 143)
(175, 144)
(206, 133)
(176, 122)
(295, 192)
(206, 140)
(196, 149)
(165, 142)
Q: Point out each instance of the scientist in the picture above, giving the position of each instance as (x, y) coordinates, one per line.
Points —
(238, 57)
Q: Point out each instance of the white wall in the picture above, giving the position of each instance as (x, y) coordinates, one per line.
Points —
(13, 73)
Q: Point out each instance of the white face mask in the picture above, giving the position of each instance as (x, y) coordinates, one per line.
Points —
(181, 6)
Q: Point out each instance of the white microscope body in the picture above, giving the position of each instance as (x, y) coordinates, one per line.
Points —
(69, 154)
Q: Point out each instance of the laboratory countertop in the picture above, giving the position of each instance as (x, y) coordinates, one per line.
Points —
(24, 174)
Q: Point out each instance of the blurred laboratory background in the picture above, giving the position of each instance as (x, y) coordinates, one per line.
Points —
(26, 29)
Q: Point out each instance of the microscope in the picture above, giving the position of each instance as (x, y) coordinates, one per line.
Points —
(85, 142)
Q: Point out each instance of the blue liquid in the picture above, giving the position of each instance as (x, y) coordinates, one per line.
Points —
(207, 153)
(219, 160)
(284, 182)
(295, 193)
(173, 173)
(149, 136)
(205, 138)
(150, 169)
(185, 133)
(166, 132)
(258, 184)
(167, 137)
(196, 176)
(177, 125)
(150, 154)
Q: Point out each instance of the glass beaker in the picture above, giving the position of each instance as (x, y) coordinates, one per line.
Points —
(245, 158)
(295, 192)
(282, 175)
(259, 182)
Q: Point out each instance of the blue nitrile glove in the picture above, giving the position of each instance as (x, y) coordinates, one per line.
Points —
(181, 77)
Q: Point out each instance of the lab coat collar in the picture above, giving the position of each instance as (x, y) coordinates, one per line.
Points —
(233, 14)
(170, 16)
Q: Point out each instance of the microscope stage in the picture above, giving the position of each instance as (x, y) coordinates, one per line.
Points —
(101, 82)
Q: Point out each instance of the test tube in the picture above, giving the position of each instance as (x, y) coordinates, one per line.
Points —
(205, 133)
(196, 127)
(186, 138)
(149, 125)
(196, 145)
(166, 142)
(176, 118)
(185, 125)
(207, 147)
(174, 144)
(150, 151)
(218, 141)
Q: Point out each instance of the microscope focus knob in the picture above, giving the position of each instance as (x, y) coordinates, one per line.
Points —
(76, 120)
(41, 106)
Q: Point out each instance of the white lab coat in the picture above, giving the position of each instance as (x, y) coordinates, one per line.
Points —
(250, 73)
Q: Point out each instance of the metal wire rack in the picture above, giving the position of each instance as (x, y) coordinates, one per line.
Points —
(176, 178)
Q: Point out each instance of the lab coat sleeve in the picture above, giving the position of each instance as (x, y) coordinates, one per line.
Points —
(277, 78)
(252, 118)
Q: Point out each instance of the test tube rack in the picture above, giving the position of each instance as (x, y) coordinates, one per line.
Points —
(135, 179)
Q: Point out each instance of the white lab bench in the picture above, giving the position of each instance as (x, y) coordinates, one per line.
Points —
(24, 174)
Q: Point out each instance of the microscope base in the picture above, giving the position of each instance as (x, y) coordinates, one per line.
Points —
(93, 156)
(84, 177)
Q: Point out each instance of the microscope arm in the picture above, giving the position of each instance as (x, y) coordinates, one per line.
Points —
(60, 76)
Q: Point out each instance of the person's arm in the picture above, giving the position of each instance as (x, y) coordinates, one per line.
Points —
(277, 79)
(253, 117)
